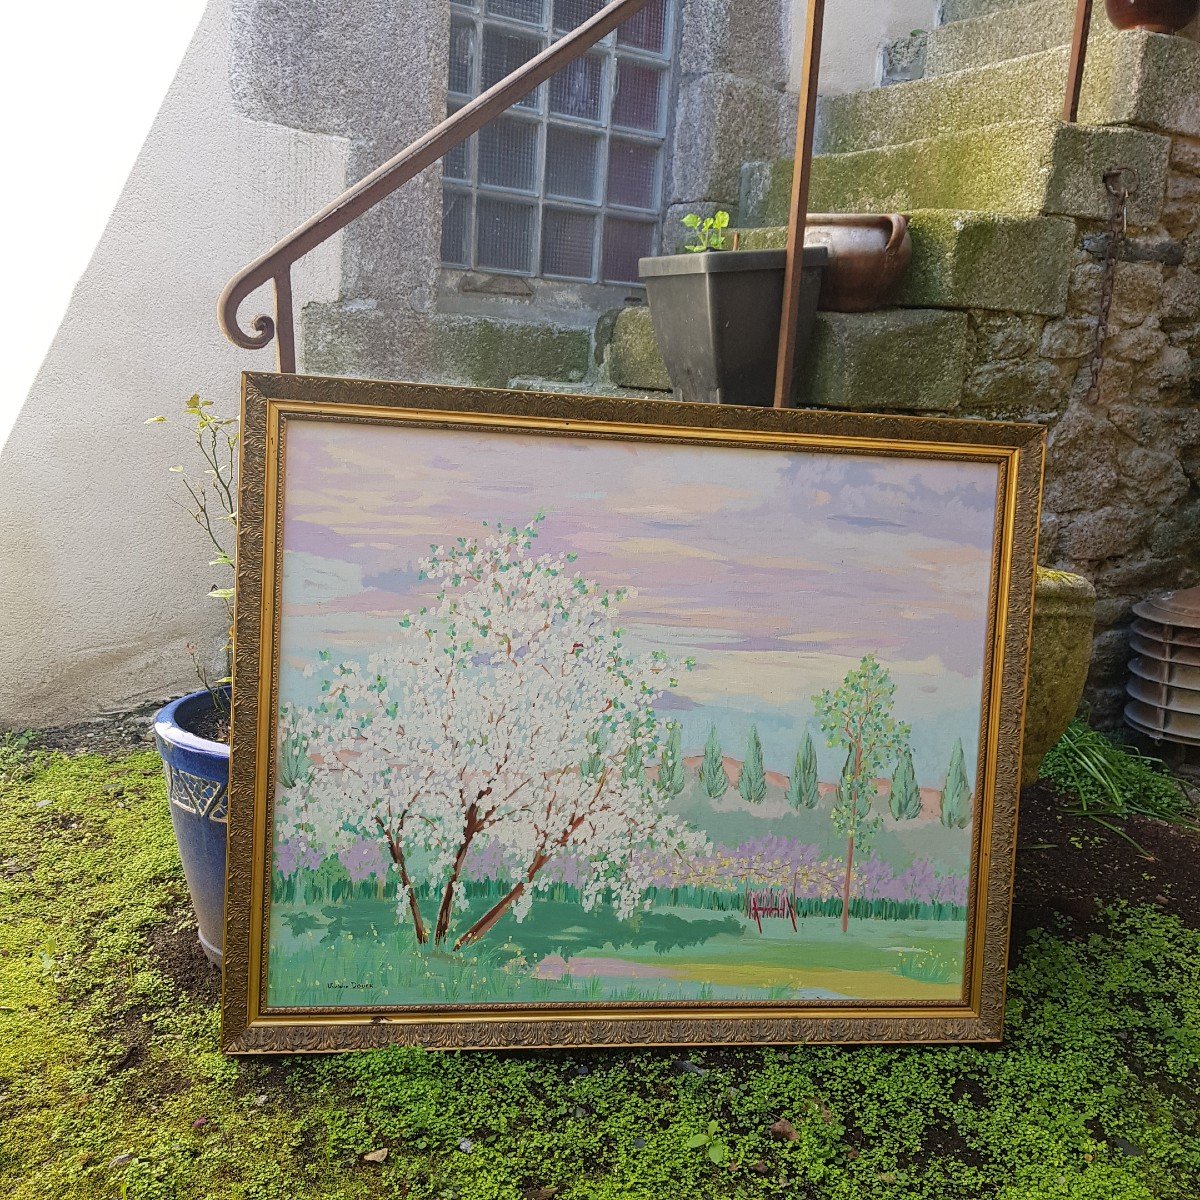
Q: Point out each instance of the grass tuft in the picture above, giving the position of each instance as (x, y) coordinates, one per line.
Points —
(1109, 782)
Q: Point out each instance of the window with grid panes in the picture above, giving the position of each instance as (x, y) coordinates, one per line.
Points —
(568, 183)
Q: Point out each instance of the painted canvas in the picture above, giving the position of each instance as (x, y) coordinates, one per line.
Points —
(599, 721)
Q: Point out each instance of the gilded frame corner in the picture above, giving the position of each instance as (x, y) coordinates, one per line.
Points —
(268, 401)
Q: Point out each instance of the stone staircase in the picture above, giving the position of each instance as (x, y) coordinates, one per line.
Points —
(997, 316)
(995, 187)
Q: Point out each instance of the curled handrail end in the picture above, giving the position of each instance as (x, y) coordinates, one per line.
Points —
(227, 318)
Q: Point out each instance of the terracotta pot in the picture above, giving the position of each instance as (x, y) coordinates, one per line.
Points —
(868, 255)
(1156, 16)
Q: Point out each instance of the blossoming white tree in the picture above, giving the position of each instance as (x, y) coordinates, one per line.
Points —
(505, 714)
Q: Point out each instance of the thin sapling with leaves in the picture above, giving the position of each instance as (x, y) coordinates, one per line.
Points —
(212, 504)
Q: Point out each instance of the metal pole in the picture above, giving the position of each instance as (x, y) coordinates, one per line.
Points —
(785, 376)
(1079, 47)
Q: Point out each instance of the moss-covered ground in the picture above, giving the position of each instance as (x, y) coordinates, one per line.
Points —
(111, 1084)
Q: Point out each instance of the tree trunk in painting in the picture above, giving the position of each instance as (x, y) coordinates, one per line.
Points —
(446, 909)
(493, 914)
(846, 886)
(397, 853)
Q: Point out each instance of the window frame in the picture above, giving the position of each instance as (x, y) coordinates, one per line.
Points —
(471, 18)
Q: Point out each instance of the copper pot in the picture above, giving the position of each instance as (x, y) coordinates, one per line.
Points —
(1156, 16)
(868, 255)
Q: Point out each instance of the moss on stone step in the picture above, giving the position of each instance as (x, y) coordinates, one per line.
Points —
(898, 359)
(988, 260)
(908, 360)
(1145, 80)
(1024, 167)
(391, 342)
(975, 260)
(634, 359)
(997, 36)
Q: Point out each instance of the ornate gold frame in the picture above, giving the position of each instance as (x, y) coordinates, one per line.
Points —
(270, 401)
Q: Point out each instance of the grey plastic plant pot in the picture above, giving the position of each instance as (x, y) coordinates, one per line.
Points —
(716, 317)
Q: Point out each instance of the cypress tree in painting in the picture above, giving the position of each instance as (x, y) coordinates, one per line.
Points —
(858, 715)
(712, 769)
(752, 784)
(670, 765)
(956, 795)
(905, 800)
(802, 787)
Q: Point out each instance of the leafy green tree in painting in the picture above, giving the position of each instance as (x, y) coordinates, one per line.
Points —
(802, 787)
(858, 716)
(712, 767)
(671, 781)
(956, 795)
(905, 800)
(752, 783)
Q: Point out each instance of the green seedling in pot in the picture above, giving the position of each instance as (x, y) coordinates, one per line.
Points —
(708, 233)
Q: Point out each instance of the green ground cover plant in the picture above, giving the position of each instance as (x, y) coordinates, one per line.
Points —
(1107, 781)
(112, 1085)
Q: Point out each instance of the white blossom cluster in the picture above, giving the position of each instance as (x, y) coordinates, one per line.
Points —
(508, 713)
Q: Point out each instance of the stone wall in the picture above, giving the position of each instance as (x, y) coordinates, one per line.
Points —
(1123, 479)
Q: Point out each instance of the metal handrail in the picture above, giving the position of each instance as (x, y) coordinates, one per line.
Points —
(276, 265)
(1078, 62)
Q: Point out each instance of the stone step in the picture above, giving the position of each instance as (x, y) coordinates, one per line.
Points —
(1018, 264)
(905, 360)
(966, 10)
(1003, 35)
(1142, 79)
(1024, 167)
(391, 341)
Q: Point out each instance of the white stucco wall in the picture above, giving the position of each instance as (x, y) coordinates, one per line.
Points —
(855, 33)
(102, 578)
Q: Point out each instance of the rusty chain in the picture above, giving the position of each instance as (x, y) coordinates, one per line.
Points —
(1122, 184)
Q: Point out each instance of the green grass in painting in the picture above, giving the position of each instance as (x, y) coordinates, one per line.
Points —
(354, 952)
(928, 966)
(112, 1086)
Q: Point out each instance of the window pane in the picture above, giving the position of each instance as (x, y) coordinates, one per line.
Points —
(457, 163)
(571, 163)
(570, 14)
(646, 30)
(456, 227)
(633, 174)
(624, 243)
(578, 90)
(638, 100)
(508, 154)
(533, 11)
(503, 53)
(504, 230)
(462, 56)
(568, 244)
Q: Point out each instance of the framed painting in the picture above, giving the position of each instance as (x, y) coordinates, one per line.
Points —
(566, 721)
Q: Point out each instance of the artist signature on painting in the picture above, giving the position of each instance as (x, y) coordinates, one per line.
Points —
(340, 984)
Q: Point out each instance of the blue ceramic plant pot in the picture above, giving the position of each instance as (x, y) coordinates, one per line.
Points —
(197, 771)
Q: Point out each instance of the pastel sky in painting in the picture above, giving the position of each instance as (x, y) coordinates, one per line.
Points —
(777, 571)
